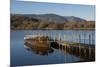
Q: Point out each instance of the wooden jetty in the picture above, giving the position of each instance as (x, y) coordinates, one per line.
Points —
(82, 50)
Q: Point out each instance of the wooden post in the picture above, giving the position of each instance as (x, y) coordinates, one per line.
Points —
(72, 37)
(89, 39)
(59, 40)
(59, 43)
(65, 47)
(75, 37)
(62, 42)
(92, 39)
(79, 44)
(84, 38)
(79, 38)
(44, 34)
(47, 34)
(65, 39)
(54, 37)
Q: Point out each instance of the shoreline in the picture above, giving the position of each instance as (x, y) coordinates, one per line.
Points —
(82, 29)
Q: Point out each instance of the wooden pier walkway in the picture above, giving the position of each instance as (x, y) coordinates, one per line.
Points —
(82, 50)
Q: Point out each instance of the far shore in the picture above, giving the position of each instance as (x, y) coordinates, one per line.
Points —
(83, 29)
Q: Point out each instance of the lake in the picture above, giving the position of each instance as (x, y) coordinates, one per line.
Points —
(22, 55)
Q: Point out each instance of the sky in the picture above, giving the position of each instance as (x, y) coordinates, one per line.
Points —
(83, 11)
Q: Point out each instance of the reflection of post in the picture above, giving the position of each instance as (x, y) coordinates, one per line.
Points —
(79, 50)
(65, 55)
(89, 52)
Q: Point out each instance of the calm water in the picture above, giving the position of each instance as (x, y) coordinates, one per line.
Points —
(25, 56)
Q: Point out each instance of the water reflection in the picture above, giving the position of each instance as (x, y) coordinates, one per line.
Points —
(86, 52)
(54, 54)
(39, 51)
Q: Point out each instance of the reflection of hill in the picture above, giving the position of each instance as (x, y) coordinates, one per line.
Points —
(49, 21)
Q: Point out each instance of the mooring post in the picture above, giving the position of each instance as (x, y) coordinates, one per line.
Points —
(84, 38)
(44, 34)
(92, 39)
(52, 37)
(79, 38)
(62, 42)
(65, 39)
(55, 36)
(65, 46)
(89, 39)
(59, 43)
(79, 44)
(39, 37)
(59, 40)
(72, 37)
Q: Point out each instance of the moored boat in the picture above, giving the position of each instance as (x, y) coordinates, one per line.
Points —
(37, 42)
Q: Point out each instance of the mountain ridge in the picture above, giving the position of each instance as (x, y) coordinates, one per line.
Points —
(52, 18)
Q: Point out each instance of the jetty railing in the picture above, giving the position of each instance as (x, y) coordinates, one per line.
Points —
(81, 44)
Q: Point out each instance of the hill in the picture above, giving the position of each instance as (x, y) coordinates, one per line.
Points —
(48, 21)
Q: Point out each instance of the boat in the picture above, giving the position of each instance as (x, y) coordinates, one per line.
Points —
(37, 42)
